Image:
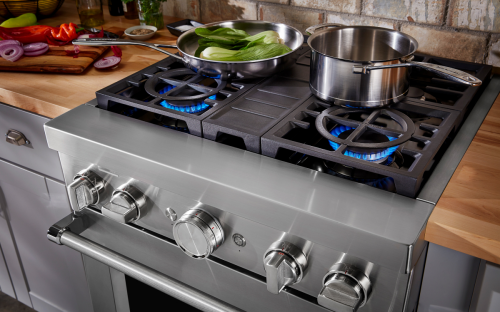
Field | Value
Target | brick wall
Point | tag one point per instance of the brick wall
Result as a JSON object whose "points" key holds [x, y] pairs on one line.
{"points": [[459, 29]]}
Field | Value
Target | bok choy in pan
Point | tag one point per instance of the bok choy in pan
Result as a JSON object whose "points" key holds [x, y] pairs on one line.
{"points": [[233, 45]]}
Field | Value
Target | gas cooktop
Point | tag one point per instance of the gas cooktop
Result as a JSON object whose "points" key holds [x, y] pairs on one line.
{"points": [[393, 148]]}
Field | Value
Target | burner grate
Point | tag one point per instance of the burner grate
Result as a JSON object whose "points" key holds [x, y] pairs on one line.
{"points": [[306, 132], [190, 98]]}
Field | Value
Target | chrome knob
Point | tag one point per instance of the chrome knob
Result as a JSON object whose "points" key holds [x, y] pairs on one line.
{"points": [[85, 190], [198, 233], [125, 204], [284, 264], [345, 289]]}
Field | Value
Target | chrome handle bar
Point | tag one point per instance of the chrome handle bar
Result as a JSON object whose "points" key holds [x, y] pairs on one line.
{"points": [[61, 233]]}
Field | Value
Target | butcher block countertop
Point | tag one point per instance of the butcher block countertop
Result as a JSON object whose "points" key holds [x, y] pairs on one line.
{"points": [[52, 94], [466, 218]]}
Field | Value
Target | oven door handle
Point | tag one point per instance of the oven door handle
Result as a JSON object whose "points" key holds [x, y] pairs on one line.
{"points": [[63, 233]]}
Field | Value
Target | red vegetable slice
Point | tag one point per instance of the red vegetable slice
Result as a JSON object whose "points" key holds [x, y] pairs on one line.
{"points": [[37, 53], [74, 53], [107, 62], [116, 51], [84, 36], [11, 52], [33, 47]]}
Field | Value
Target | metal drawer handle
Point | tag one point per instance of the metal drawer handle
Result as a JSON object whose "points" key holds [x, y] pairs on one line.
{"points": [[16, 138], [61, 233]]}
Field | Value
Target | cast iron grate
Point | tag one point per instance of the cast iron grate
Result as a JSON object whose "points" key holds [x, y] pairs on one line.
{"points": [[419, 129], [169, 89]]}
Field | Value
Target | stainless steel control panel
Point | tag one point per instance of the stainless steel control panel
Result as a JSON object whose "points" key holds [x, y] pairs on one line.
{"points": [[285, 260]]}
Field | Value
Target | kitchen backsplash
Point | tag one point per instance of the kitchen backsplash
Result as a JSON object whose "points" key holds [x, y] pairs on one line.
{"points": [[466, 30]]}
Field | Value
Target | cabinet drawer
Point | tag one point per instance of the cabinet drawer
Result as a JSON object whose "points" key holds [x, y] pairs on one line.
{"points": [[36, 155]]}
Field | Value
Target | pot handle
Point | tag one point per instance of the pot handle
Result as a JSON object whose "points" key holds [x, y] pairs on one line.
{"points": [[114, 42], [442, 71], [312, 29]]}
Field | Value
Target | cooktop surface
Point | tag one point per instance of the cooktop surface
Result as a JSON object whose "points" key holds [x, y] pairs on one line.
{"points": [[393, 148]]}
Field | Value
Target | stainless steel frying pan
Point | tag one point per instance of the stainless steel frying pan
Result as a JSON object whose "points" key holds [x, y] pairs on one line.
{"points": [[187, 44]]}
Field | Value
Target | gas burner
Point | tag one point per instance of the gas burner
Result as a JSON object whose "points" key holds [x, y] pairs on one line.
{"points": [[377, 156], [192, 94], [364, 139], [194, 107]]}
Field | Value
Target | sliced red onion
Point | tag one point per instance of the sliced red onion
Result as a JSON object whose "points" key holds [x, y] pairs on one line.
{"points": [[11, 52], [108, 62], [85, 36], [37, 53], [33, 47], [6, 42]]}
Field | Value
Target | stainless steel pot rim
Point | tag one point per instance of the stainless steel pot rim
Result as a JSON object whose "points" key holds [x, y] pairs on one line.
{"points": [[246, 21], [404, 57], [384, 101]]}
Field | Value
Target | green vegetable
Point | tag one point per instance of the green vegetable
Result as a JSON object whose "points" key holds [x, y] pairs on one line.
{"points": [[28, 19], [149, 12], [258, 52], [227, 44], [223, 35]]}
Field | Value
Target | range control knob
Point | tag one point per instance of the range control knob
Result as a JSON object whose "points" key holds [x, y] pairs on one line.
{"points": [[284, 264], [125, 205], [345, 289], [198, 233], [85, 189]]}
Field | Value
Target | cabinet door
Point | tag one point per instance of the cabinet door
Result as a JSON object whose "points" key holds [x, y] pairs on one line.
{"points": [[54, 273], [487, 290], [12, 280]]}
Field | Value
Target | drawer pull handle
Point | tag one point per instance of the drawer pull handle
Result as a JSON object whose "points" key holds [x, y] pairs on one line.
{"points": [[16, 138]]}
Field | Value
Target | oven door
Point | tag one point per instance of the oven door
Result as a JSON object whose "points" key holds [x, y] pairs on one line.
{"points": [[129, 268]]}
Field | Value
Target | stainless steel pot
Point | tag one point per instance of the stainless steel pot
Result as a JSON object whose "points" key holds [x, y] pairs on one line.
{"points": [[361, 66], [187, 44]]}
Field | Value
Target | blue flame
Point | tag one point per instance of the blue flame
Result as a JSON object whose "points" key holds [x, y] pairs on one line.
{"points": [[365, 156], [192, 109]]}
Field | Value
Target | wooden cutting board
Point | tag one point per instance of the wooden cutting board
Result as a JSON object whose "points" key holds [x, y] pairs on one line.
{"points": [[56, 60]]}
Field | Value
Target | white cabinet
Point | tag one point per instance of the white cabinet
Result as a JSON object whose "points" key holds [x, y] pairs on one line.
{"points": [[35, 271]]}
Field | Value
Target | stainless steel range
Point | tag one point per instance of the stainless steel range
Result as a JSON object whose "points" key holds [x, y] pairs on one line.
{"points": [[220, 195]]}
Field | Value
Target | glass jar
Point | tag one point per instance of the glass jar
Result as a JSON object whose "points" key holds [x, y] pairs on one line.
{"points": [[130, 9], [151, 13], [90, 12]]}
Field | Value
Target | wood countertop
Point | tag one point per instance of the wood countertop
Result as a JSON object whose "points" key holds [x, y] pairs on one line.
{"points": [[52, 94], [466, 218]]}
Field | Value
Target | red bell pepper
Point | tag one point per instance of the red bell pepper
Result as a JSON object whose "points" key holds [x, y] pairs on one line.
{"points": [[39, 33], [29, 34]]}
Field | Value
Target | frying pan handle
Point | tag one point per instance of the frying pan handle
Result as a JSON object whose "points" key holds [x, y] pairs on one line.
{"points": [[115, 42], [442, 71], [312, 29]]}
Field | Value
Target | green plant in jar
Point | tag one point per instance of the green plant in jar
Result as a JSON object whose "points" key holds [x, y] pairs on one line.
{"points": [[150, 12]]}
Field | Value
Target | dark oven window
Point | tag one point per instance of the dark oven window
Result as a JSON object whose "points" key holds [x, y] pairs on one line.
{"points": [[142, 297]]}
